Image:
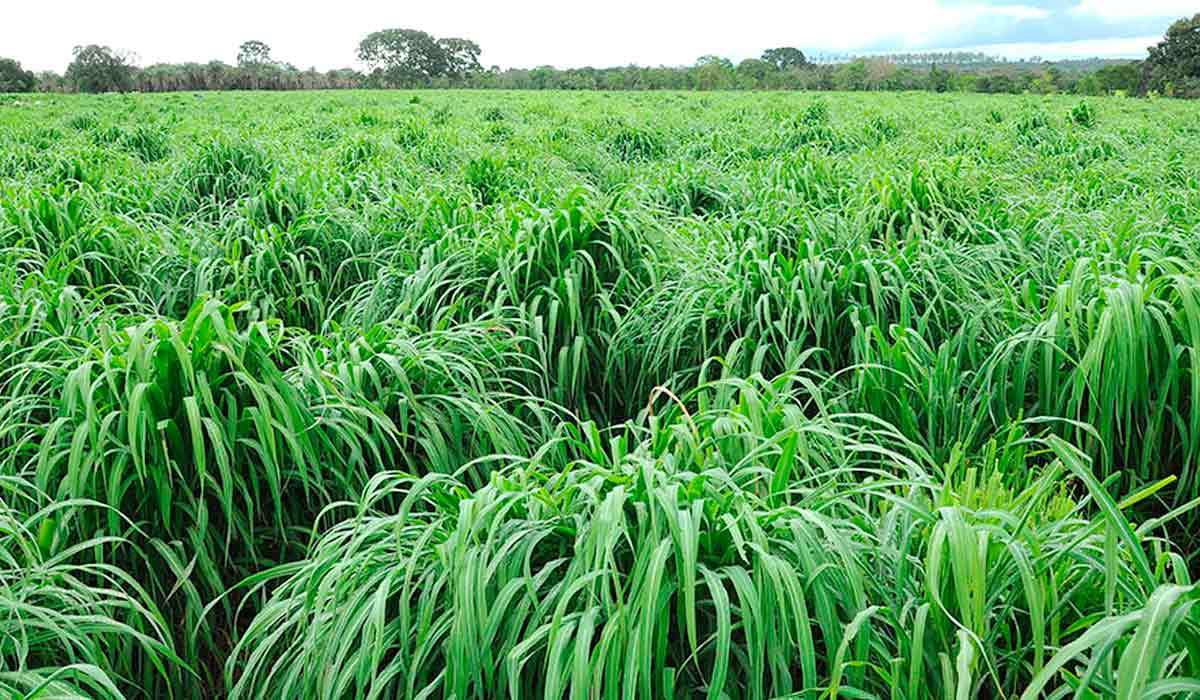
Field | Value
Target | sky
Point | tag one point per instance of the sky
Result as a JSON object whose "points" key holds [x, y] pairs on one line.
{"points": [[527, 33]]}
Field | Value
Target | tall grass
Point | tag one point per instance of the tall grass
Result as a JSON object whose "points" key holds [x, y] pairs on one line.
{"points": [[744, 550], [514, 395]]}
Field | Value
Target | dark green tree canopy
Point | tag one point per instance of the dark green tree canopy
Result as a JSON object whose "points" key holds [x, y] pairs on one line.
{"points": [[1175, 61], [785, 58], [1125, 77], [100, 69], [713, 72], [754, 69], [461, 56], [14, 78], [254, 53], [403, 57]]}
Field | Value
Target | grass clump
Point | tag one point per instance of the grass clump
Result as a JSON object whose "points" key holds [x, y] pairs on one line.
{"points": [[1083, 114], [488, 179], [148, 143], [632, 144], [225, 170], [359, 152], [83, 122]]}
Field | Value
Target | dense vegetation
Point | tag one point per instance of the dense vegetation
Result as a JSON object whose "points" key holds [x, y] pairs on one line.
{"points": [[475, 395], [410, 58]]}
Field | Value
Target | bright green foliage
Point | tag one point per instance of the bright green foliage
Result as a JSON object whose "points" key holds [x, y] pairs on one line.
{"points": [[71, 626], [599, 396]]}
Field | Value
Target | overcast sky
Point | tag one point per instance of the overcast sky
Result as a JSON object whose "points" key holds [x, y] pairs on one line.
{"points": [[525, 33]]}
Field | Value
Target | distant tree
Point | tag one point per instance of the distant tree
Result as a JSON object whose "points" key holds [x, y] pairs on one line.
{"points": [[964, 81], [878, 72], [714, 73], [14, 78], [785, 58], [1059, 79], [754, 72], [342, 78], [996, 83], [256, 68], [1043, 84], [904, 78], [100, 69], [1174, 63], [1125, 78], [851, 76], [939, 79], [542, 77], [403, 57], [254, 53], [460, 57], [49, 81], [714, 60], [1089, 85], [217, 75]]}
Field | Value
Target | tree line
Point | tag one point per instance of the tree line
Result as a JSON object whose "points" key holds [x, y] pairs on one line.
{"points": [[409, 58]]}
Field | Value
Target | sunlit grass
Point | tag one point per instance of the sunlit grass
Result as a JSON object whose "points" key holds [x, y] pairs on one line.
{"points": [[599, 395]]}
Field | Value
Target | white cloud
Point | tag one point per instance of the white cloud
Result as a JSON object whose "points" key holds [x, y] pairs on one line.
{"points": [[1021, 12], [917, 24], [1116, 10], [1134, 47]]}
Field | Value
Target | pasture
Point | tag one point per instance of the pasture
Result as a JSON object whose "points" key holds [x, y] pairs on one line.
{"points": [[590, 395]]}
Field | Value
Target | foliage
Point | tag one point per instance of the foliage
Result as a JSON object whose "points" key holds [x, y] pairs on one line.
{"points": [[1174, 63], [1084, 115], [407, 57], [672, 395], [254, 53], [100, 69], [14, 78], [754, 70], [785, 58], [714, 73], [461, 57]]}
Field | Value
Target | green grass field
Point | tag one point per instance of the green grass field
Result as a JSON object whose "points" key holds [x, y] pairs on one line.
{"points": [[556, 395]]}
